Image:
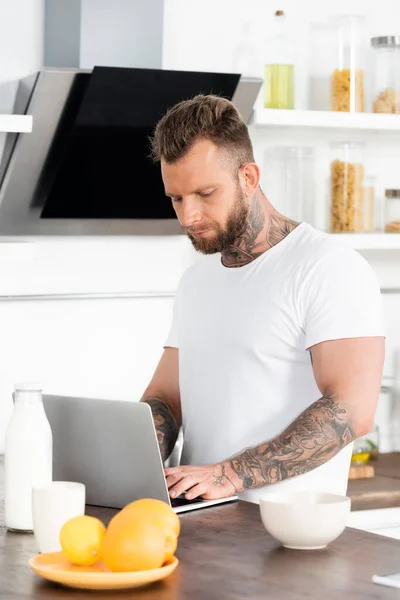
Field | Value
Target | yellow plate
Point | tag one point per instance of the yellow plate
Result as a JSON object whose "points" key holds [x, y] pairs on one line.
{"points": [[55, 567]]}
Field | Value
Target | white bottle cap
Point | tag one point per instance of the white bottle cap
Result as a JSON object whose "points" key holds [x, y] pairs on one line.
{"points": [[29, 386]]}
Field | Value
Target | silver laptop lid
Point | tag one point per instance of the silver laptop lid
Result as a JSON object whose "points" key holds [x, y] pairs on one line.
{"points": [[110, 446]]}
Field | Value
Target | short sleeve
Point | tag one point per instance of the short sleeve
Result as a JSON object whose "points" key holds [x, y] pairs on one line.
{"points": [[172, 340], [342, 299]]}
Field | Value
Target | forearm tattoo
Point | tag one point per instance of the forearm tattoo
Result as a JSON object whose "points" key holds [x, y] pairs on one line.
{"points": [[312, 439], [165, 424]]}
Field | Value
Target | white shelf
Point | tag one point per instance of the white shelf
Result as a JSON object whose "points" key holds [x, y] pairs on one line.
{"points": [[326, 120], [15, 123], [370, 241]]}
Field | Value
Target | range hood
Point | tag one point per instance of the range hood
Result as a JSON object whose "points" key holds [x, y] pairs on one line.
{"points": [[85, 168]]}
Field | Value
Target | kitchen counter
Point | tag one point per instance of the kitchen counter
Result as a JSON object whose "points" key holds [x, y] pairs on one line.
{"points": [[381, 491], [226, 554]]}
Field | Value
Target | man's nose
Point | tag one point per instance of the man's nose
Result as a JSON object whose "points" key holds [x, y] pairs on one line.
{"points": [[188, 213]]}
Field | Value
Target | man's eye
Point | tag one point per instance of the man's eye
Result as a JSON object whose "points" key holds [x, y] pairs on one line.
{"points": [[176, 199], [205, 194]]}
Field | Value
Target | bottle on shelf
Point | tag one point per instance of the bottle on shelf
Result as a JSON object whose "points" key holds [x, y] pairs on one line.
{"points": [[245, 59], [322, 61], [27, 457], [279, 67]]}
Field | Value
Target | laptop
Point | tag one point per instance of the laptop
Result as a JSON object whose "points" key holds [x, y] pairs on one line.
{"points": [[111, 446]]}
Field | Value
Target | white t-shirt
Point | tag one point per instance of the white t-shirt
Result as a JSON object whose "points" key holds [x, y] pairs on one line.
{"points": [[243, 335]]}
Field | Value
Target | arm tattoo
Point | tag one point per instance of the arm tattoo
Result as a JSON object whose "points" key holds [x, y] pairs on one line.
{"points": [[312, 439], [165, 424], [220, 477]]}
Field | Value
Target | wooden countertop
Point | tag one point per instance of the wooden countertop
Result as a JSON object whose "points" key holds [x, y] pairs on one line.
{"points": [[381, 491], [226, 554]]}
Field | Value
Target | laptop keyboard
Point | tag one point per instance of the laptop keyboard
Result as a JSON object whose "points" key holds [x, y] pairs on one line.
{"points": [[182, 501]]}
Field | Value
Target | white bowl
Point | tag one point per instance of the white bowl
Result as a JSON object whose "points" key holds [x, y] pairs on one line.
{"points": [[305, 520]]}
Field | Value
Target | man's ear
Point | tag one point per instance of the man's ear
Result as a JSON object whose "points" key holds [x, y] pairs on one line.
{"points": [[250, 178]]}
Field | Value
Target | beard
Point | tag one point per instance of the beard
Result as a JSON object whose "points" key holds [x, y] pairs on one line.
{"points": [[226, 236]]}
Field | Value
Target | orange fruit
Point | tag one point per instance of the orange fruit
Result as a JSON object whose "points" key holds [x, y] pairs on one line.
{"points": [[157, 512], [158, 508], [171, 544], [81, 539], [133, 544]]}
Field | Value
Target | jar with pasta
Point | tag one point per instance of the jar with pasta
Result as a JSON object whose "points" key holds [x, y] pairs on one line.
{"points": [[347, 78], [347, 192]]}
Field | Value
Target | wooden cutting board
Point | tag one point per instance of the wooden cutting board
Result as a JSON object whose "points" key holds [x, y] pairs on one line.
{"points": [[362, 471]]}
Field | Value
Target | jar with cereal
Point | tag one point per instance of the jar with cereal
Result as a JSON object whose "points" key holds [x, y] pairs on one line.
{"points": [[347, 79], [347, 183]]}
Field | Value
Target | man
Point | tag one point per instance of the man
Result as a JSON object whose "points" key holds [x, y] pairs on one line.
{"points": [[274, 361]]}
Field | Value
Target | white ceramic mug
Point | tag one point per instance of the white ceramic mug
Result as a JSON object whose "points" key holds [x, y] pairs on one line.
{"points": [[52, 506]]}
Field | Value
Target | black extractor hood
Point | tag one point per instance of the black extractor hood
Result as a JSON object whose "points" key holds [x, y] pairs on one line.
{"points": [[85, 168]]}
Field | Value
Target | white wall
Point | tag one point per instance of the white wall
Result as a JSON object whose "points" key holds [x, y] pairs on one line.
{"points": [[21, 47], [21, 37], [106, 345], [100, 348]]}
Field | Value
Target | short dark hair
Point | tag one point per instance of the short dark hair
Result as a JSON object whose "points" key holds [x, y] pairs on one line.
{"points": [[206, 117]]}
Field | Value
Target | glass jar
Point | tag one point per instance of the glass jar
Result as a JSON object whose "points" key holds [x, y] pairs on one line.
{"points": [[245, 59], [373, 440], [347, 79], [322, 62], [386, 74], [279, 67], [368, 209], [367, 447], [289, 181], [347, 179], [392, 211], [361, 453]]}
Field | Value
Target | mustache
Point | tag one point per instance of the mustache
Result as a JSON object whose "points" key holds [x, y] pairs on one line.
{"points": [[194, 230]]}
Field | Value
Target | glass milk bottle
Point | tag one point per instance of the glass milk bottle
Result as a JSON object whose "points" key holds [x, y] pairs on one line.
{"points": [[28, 455]]}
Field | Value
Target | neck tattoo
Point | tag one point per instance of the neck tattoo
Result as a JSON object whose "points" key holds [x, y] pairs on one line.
{"points": [[263, 230]]}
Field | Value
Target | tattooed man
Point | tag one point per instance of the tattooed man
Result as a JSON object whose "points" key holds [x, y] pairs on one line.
{"points": [[274, 360]]}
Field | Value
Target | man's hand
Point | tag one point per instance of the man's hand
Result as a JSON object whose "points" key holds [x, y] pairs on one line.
{"points": [[211, 482]]}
